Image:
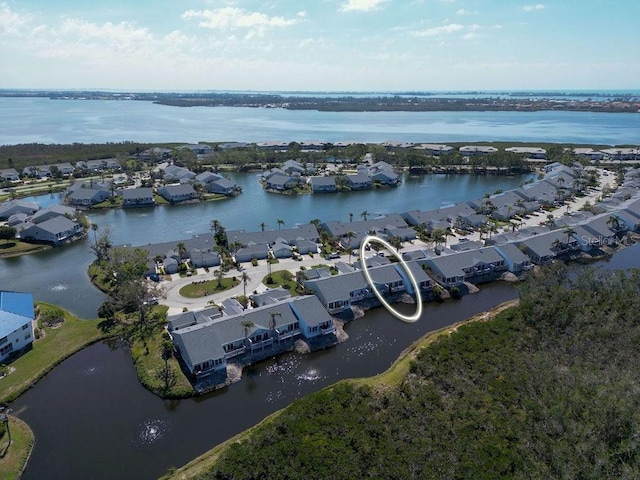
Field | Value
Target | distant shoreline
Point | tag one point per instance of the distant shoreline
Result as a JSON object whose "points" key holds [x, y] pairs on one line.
{"points": [[599, 102]]}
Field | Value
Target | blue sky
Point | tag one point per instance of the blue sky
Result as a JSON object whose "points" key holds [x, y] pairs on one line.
{"points": [[329, 45]]}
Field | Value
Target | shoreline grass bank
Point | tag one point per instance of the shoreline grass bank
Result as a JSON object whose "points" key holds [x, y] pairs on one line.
{"points": [[14, 457], [56, 345], [387, 379]]}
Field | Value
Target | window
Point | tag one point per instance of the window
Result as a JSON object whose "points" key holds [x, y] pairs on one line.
{"points": [[27, 336], [3, 340], [6, 349], [25, 326]]}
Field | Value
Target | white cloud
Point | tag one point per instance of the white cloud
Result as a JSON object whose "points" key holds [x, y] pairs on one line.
{"points": [[436, 31], [122, 33], [530, 8], [462, 11], [301, 14], [231, 18], [12, 23], [361, 5], [471, 36]]}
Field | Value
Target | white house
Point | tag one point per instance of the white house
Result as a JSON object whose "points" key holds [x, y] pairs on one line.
{"points": [[16, 327]]}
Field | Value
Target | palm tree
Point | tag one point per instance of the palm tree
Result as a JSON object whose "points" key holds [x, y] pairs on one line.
{"points": [[280, 222], [94, 227], [614, 223], [569, 231], [396, 242], [246, 325], [364, 215], [235, 246], [551, 220], [182, 249], [272, 323], [215, 226], [350, 217], [245, 278], [438, 236], [262, 226], [349, 236]]}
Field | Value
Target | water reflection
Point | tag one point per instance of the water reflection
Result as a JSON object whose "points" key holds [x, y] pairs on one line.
{"points": [[98, 395]]}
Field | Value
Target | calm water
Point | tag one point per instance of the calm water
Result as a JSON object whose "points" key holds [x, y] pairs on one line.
{"points": [[59, 276], [113, 428], [91, 417], [27, 120]]}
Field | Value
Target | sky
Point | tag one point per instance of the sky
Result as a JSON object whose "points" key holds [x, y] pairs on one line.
{"points": [[320, 45]]}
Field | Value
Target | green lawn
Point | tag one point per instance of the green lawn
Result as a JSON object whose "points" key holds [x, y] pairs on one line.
{"points": [[147, 358], [207, 287], [18, 247], [284, 279], [160, 200], [115, 202], [12, 460], [56, 345]]}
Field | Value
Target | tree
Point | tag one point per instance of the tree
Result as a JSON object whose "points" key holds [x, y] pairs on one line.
{"points": [[245, 278], [94, 228], [167, 376], [551, 222], [349, 236], [167, 349], [126, 264], [272, 323], [396, 242], [262, 226], [246, 325], [101, 246], [569, 232], [280, 222], [350, 217], [182, 249], [438, 236], [137, 296], [4, 418], [364, 215], [614, 223], [7, 233], [221, 237], [215, 226], [219, 274]]}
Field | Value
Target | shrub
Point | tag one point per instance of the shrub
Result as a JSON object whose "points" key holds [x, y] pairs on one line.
{"points": [[254, 262], [51, 315]]}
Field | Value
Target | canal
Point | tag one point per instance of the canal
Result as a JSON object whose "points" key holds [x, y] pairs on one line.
{"points": [[59, 276], [92, 419]]}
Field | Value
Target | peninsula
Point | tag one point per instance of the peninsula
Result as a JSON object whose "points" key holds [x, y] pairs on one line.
{"points": [[364, 102]]}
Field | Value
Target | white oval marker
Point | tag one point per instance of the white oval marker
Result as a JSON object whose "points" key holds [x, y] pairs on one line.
{"points": [[405, 318]]}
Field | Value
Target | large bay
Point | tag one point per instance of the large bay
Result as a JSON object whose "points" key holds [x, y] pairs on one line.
{"points": [[28, 120]]}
